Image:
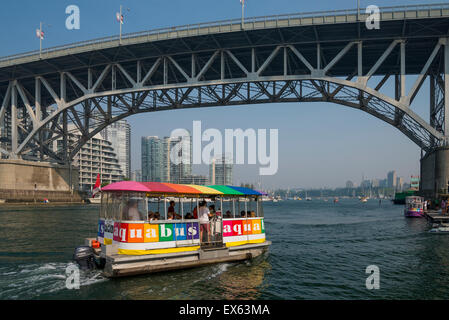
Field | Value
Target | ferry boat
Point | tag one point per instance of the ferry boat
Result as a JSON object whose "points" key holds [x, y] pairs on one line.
{"points": [[414, 207], [138, 234]]}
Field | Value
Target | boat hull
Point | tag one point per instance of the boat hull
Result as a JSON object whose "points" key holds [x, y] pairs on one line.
{"points": [[128, 265], [413, 214]]}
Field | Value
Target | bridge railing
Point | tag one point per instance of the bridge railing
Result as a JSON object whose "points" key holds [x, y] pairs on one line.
{"points": [[261, 22]]}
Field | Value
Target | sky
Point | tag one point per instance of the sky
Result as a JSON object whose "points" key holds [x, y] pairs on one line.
{"points": [[320, 144]]}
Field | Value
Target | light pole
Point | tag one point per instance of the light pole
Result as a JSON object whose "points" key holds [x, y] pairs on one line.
{"points": [[121, 22], [358, 10], [242, 2]]}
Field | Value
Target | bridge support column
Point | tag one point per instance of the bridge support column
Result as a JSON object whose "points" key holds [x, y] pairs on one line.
{"points": [[435, 172]]}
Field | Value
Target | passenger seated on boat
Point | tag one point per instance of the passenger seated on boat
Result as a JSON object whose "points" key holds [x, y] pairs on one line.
{"points": [[253, 214], [228, 214], [243, 213], [150, 215], [130, 211], [170, 216], [212, 209], [188, 216], [156, 216]]}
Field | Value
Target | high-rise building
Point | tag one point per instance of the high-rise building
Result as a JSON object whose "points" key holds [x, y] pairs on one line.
{"points": [[96, 156], [220, 170], [119, 134], [195, 179], [157, 164], [136, 175], [391, 178], [182, 149], [166, 159], [152, 160], [399, 183]]}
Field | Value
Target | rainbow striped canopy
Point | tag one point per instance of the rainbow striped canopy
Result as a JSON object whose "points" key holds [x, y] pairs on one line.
{"points": [[179, 189]]}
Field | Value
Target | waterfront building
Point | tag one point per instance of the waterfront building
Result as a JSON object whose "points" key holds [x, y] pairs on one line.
{"points": [[119, 134], [96, 156], [349, 184], [220, 170]]}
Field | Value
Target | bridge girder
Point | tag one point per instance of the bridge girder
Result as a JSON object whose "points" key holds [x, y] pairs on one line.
{"points": [[73, 106]]}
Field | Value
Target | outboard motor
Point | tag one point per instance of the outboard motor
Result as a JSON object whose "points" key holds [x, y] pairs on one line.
{"points": [[84, 256]]}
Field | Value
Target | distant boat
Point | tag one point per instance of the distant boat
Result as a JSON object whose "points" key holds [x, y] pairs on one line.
{"points": [[364, 199], [336, 200], [414, 207], [96, 200]]}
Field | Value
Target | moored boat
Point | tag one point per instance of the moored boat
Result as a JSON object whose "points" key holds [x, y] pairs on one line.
{"points": [[138, 233], [414, 207]]}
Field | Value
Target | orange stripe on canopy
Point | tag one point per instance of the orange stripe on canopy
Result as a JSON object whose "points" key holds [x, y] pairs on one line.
{"points": [[182, 188]]}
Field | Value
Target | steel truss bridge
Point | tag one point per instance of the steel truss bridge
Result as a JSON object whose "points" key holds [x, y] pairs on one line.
{"points": [[72, 92]]}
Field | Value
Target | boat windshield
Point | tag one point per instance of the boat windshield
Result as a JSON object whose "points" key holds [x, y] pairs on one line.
{"points": [[128, 206]]}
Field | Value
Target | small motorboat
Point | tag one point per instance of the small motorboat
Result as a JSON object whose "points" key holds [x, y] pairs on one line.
{"points": [[414, 207], [440, 229]]}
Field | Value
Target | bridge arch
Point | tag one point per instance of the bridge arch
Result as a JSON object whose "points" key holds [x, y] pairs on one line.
{"points": [[256, 65]]}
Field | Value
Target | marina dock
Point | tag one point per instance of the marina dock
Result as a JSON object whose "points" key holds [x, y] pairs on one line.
{"points": [[434, 216]]}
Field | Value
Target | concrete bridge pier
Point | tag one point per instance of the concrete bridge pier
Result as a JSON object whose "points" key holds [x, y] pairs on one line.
{"points": [[435, 172]]}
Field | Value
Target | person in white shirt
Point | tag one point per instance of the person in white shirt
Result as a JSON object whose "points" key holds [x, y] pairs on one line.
{"points": [[203, 216], [133, 212]]}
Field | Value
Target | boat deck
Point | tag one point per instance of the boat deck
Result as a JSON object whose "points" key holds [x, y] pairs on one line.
{"points": [[118, 265], [434, 216]]}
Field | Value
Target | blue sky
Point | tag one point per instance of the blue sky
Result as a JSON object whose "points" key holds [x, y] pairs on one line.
{"points": [[319, 144]]}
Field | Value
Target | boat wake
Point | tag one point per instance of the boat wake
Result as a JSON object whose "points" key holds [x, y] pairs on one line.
{"points": [[32, 281]]}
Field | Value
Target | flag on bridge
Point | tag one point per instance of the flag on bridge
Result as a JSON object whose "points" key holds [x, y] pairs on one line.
{"points": [[119, 17], [97, 187], [242, 2], [40, 34]]}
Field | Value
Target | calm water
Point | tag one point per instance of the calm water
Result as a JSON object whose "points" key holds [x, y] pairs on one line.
{"points": [[320, 251]]}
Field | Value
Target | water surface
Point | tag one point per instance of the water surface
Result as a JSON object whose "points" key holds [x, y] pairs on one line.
{"points": [[320, 250]]}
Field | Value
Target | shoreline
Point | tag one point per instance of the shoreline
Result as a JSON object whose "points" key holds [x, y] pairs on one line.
{"points": [[53, 204]]}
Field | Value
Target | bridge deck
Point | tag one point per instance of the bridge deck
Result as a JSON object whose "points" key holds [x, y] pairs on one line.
{"points": [[323, 24]]}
